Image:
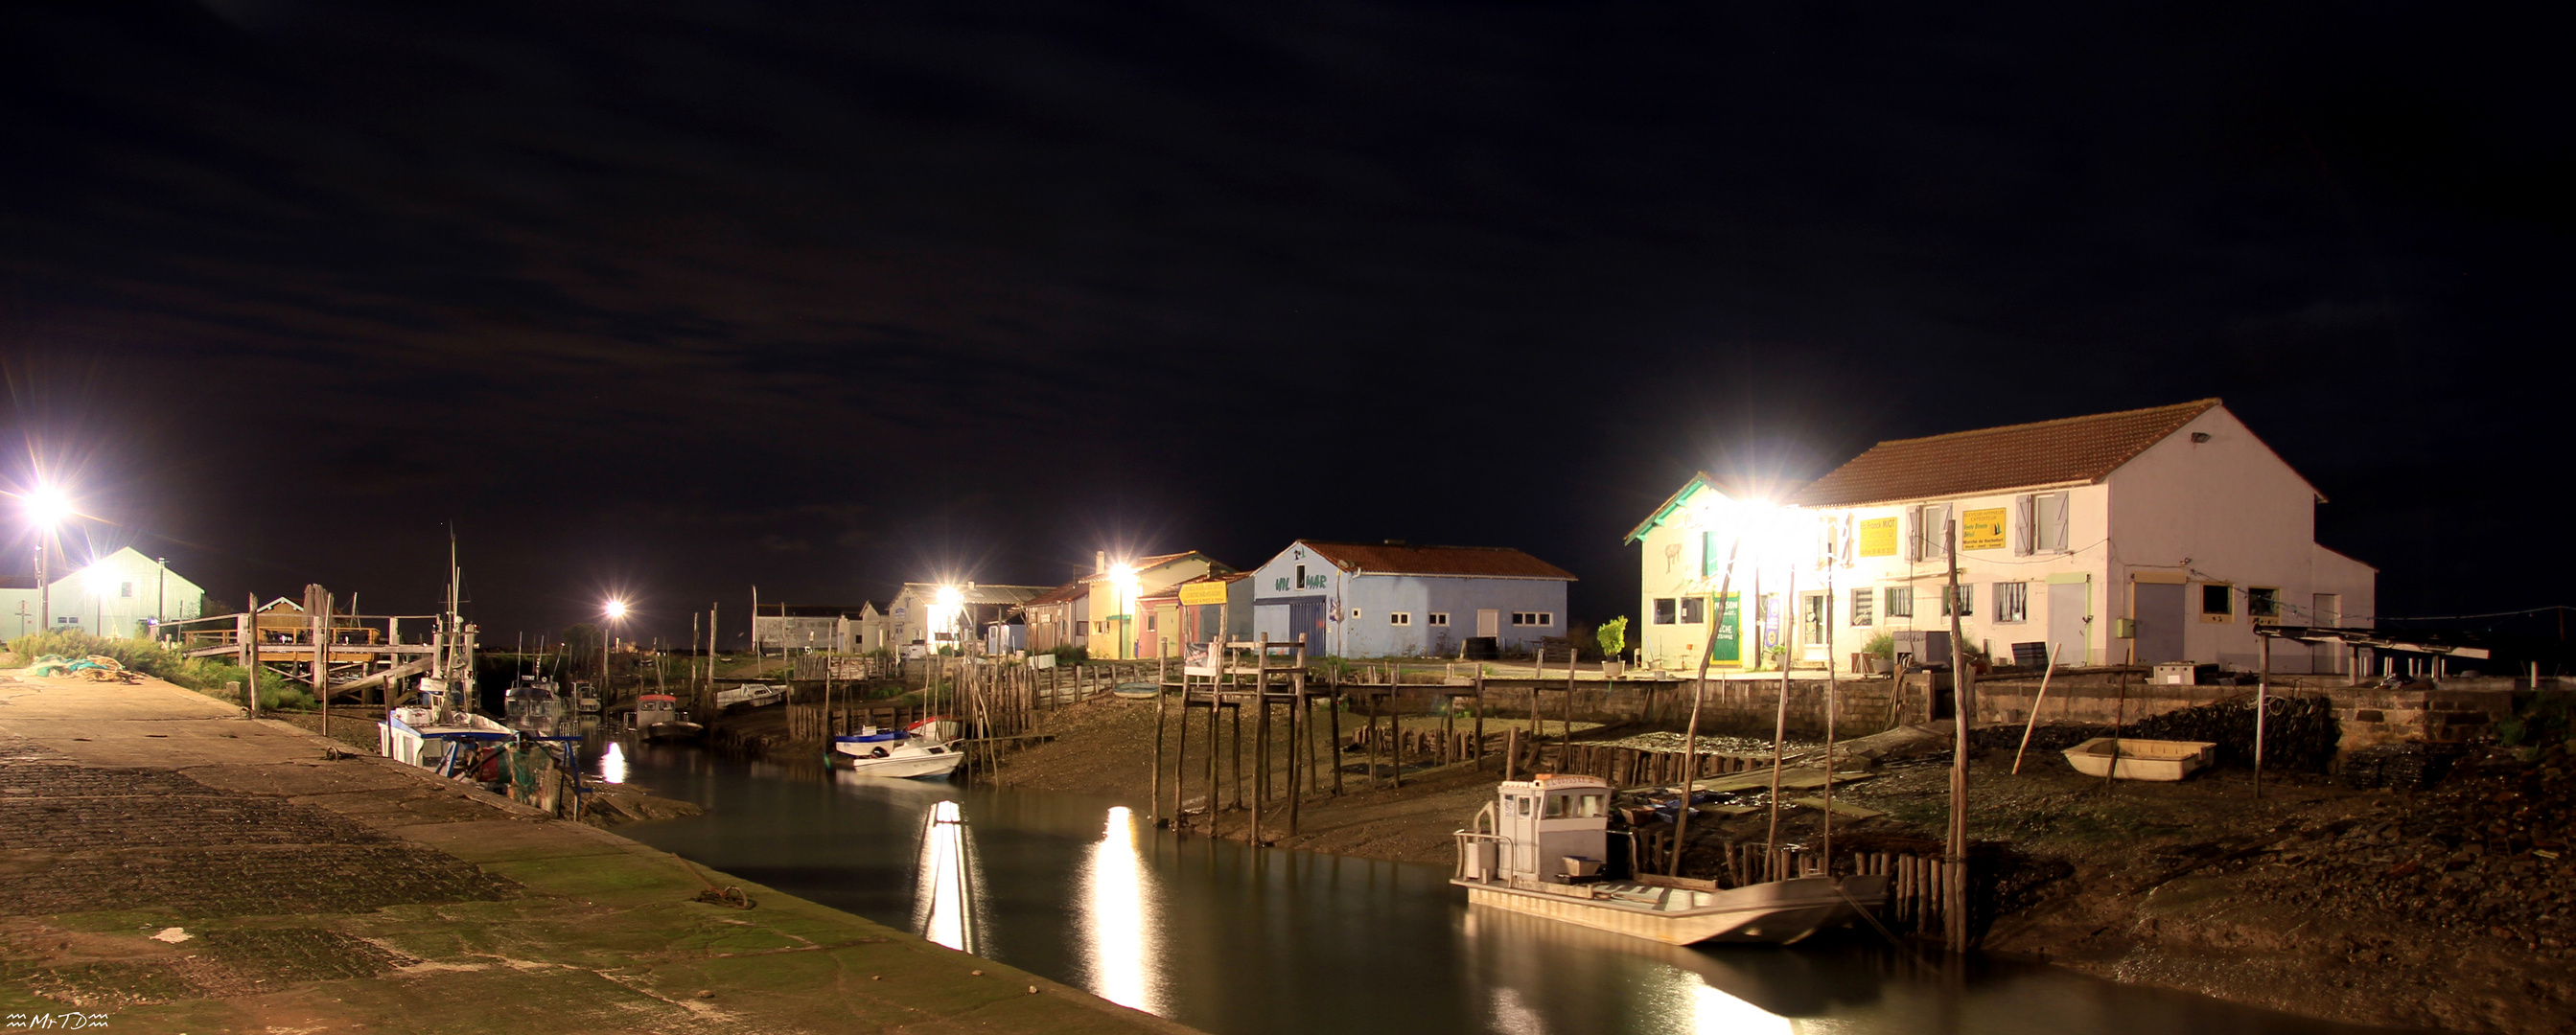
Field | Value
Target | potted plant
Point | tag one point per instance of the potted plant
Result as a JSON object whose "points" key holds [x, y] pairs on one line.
{"points": [[1877, 657], [1613, 635]]}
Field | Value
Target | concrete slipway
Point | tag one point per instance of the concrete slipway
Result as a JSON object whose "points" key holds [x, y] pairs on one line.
{"points": [[320, 892]]}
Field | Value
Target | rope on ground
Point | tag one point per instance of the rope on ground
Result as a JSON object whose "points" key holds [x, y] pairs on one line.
{"points": [[710, 894]]}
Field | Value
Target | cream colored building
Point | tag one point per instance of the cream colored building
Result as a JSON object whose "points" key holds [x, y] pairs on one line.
{"points": [[1117, 619], [121, 594], [2163, 534]]}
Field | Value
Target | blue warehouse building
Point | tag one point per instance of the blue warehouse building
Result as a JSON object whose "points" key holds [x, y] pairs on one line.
{"points": [[1392, 599]]}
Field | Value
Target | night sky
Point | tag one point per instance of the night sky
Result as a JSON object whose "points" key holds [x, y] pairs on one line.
{"points": [[676, 299]]}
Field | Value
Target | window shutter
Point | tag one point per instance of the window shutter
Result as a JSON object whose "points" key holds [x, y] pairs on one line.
{"points": [[1913, 533], [2057, 524], [2025, 524]]}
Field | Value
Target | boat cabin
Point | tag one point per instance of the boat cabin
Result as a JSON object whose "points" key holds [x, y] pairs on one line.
{"points": [[653, 708], [1548, 829]]}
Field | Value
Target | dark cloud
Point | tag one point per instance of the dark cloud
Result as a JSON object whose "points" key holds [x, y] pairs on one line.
{"points": [[633, 294]]}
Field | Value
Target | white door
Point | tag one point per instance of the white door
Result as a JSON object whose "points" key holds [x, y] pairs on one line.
{"points": [[2070, 610], [1489, 622]]}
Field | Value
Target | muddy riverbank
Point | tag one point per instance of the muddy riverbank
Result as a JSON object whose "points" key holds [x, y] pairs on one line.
{"points": [[2384, 907]]}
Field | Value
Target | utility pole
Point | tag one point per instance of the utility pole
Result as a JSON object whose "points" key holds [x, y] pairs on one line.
{"points": [[44, 585], [1954, 893], [1699, 694], [161, 596]]}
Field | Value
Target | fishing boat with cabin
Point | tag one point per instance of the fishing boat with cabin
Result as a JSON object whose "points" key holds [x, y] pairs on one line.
{"points": [[1541, 848]]}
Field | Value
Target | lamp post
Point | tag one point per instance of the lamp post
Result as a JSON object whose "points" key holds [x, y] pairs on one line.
{"points": [[615, 609], [1124, 578], [46, 509]]}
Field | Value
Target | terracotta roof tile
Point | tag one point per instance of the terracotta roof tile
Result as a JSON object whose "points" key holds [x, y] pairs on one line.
{"points": [[1401, 559], [2071, 449], [1071, 591]]}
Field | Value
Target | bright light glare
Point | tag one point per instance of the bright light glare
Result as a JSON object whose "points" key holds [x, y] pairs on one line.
{"points": [[616, 610], [950, 596], [100, 578], [1118, 918], [47, 506], [1123, 576]]}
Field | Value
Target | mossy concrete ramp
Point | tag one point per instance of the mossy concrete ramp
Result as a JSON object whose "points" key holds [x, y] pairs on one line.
{"points": [[172, 866]]}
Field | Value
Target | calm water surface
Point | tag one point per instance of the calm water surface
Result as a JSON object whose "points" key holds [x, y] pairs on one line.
{"points": [[1235, 941]]}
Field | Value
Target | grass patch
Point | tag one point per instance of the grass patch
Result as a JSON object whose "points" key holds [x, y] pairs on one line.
{"points": [[207, 676]]}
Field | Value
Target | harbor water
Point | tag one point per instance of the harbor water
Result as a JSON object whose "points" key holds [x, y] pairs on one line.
{"points": [[1236, 941]]}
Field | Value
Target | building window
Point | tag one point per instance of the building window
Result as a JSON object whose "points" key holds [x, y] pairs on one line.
{"points": [[2263, 604], [1399, 618], [1929, 538], [2012, 601], [1533, 618], [2043, 523], [1811, 619], [1861, 611], [1900, 601], [1440, 618], [2217, 602], [1663, 610], [1960, 600], [1694, 610], [125, 589], [1149, 621]]}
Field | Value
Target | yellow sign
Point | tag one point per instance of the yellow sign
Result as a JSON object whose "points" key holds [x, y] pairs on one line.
{"points": [[1878, 537], [1197, 593], [1982, 529]]}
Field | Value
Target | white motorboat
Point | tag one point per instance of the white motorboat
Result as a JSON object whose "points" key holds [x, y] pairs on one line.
{"points": [[585, 699], [923, 751], [1540, 847]]}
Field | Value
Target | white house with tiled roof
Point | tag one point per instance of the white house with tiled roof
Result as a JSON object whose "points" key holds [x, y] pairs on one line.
{"points": [[1395, 599], [2162, 534]]}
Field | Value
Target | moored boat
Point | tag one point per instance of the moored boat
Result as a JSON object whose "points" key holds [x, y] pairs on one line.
{"points": [[922, 751], [658, 718], [1541, 847]]}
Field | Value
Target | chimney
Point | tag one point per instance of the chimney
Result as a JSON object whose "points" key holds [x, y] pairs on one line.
{"points": [[1099, 562]]}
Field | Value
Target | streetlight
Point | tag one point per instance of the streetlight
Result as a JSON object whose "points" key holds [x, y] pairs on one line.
{"points": [[615, 609], [46, 507], [1124, 578]]}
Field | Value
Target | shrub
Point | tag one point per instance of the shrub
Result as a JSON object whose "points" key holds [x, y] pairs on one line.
{"points": [[204, 675], [1614, 636], [1070, 654], [1882, 645]]}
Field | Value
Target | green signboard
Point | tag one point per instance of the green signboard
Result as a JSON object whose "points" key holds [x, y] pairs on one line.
{"points": [[1730, 625]]}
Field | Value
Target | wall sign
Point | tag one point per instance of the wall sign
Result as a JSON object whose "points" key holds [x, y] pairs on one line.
{"points": [[1982, 529], [1878, 537]]}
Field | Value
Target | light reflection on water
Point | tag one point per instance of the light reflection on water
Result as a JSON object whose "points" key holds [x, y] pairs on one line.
{"points": [[944, 904], [1118, 918], [612, 763], [1240, 942]]}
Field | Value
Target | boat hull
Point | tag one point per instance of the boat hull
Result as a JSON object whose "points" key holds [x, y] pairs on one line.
{"points": [[1776, 913], [664, 732], [917, 767]]}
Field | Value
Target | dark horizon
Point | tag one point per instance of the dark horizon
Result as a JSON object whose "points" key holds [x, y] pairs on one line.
{"points": [[673, 300]]}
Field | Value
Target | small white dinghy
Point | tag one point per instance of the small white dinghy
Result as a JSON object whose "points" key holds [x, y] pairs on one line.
{"points": [[923, 751], [1541, 848]]}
